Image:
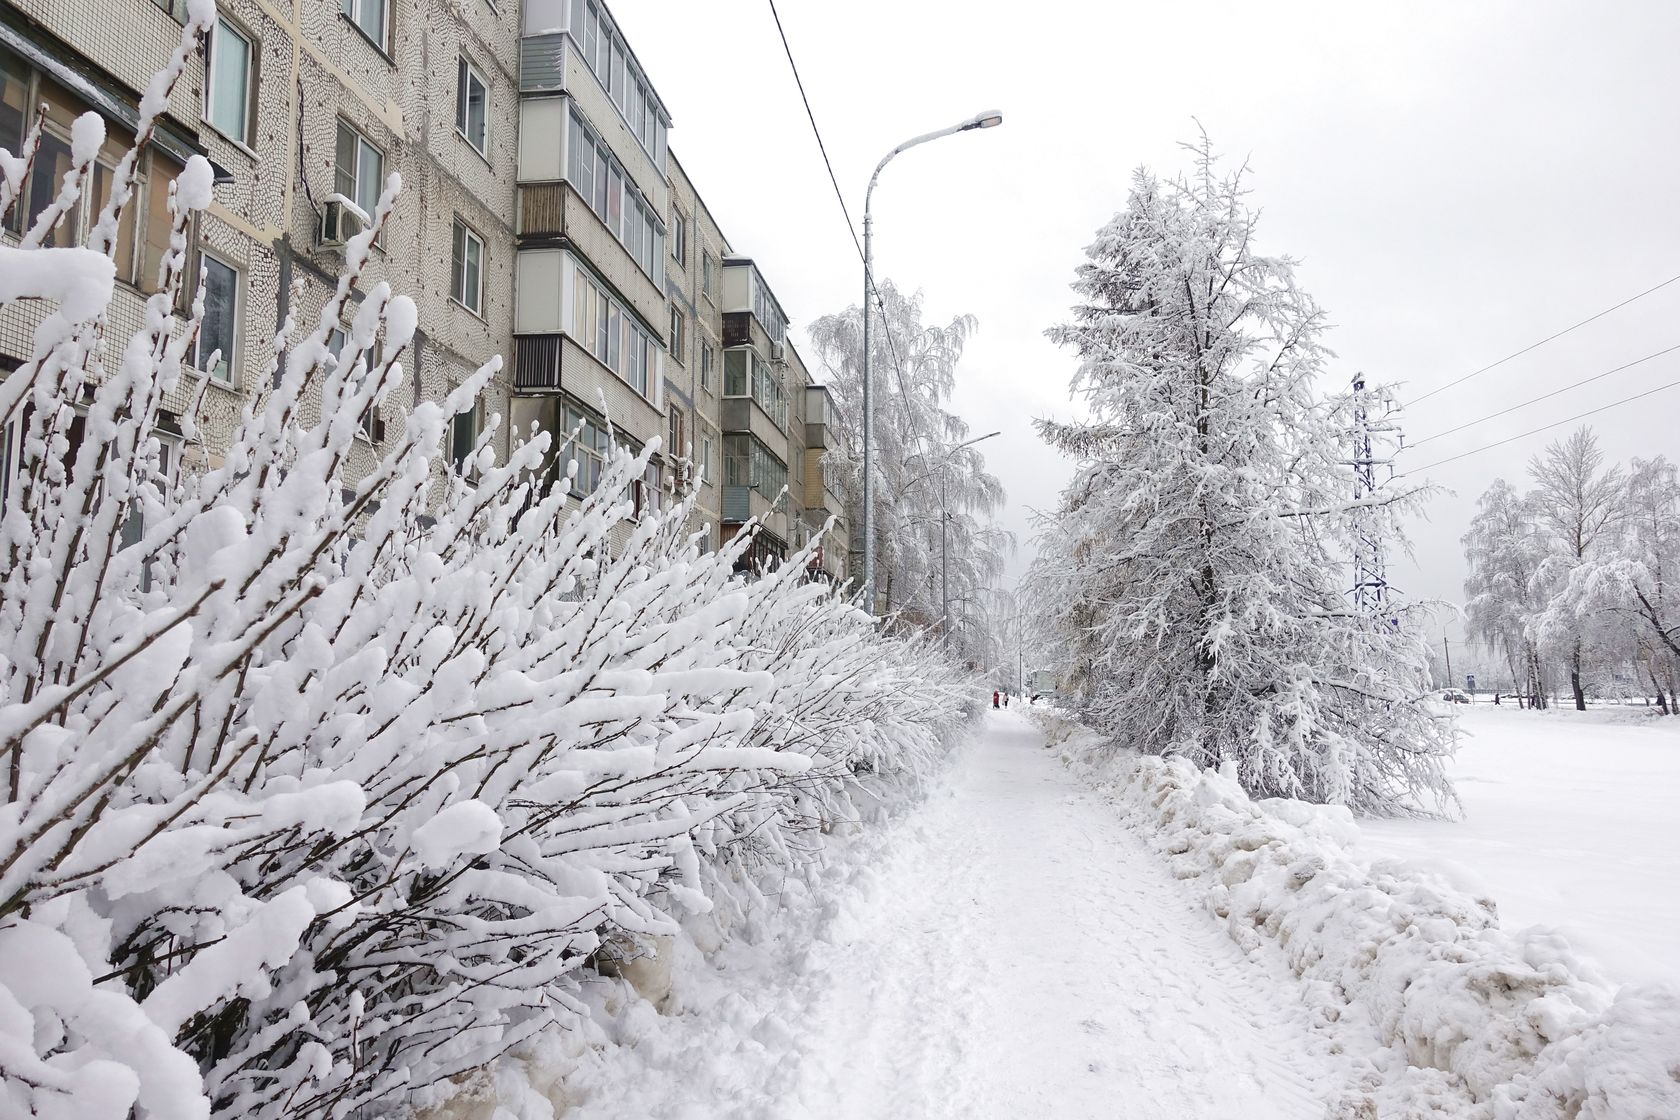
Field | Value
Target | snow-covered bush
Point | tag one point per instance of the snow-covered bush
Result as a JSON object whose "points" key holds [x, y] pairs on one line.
{"points": [[319, 787], [1525, 1028]]}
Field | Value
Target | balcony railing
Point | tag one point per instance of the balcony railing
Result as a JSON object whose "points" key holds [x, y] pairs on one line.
{"points": [[536, 361], [542, 209]]}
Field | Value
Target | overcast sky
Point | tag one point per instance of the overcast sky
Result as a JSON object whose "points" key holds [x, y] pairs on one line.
{"points": [[1458, 180]]}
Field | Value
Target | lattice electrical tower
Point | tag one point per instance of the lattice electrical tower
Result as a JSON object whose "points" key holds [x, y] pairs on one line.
{"points": [[1376, 438]]}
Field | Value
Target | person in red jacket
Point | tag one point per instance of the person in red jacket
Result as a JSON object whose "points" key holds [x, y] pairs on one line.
{"points": [[994, 697]]}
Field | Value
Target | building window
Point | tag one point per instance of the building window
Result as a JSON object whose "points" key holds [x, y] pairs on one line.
{"points": [[734, 373], [176, 8], [708, 275], [747, 462], [607, 56], [590, 444], [676, 447], [677, 347], [143, 231], [767, 310], [604, 328], [220, 329], [360, 174], [466, 276], [646, 491], [369, 422], [745, 374], [472, 106], [463, 439], [679, 238], [611, 193], [707, 357], [707, 474], [372, 18], [227, 94]]}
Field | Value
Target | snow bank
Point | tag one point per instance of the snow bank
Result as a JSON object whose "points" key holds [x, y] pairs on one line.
{"points": [[1527, 1027]]}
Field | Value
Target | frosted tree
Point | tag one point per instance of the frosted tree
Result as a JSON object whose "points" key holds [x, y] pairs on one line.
{"points": [[1199, 557], [935, 540], [1504, 549], [1625, 588], [1578, 502]]}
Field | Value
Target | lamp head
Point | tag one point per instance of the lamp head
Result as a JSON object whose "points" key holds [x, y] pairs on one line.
{"points": [[991, 118]]}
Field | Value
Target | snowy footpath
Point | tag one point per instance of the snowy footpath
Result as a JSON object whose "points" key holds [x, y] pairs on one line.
{"points": [[1007, 949], [1023, 954]]}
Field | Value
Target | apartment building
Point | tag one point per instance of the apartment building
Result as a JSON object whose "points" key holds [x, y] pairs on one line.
{"points": [[297, 106], [693, 277], [591, 322], [769, 426], [542, 218]]}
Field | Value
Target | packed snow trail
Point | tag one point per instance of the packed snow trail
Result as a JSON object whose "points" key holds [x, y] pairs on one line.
{"points": [[1022, 954]]}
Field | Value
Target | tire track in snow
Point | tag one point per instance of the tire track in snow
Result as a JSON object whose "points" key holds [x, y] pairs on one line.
{"points": [[1021, 953]]}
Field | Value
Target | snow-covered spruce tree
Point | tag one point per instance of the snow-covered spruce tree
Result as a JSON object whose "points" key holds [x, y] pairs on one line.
{"points": [[1198, 561], [321, 788], [1503, 551], [922, 471]]}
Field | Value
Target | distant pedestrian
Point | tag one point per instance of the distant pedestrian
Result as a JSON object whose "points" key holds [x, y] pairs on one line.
{"points": [[1496, 699], [994, 697], [1006, 699]]}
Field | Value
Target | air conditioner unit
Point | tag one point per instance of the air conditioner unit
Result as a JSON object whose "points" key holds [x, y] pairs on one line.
{"points": [[778, 351], [339, 223]]}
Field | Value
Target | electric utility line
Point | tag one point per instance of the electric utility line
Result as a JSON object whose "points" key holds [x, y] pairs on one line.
{"points": [[1543, 427], [1543, 341], [1545, 396], [886, 328], [812, 117]]}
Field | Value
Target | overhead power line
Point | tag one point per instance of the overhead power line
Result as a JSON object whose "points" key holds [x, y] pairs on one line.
{"points": [[1543, 341], [817, 132], [1543, 428], [886, 328], [1546, 396]]}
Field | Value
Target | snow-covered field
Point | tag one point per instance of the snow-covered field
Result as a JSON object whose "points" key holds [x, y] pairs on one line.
{"points": [[1571, 820]]}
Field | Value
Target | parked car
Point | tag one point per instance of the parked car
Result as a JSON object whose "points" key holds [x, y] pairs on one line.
{"points": [[1455, 696]]}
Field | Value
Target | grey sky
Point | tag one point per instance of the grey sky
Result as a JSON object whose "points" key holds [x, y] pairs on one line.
{"points": [[1458, 180]]}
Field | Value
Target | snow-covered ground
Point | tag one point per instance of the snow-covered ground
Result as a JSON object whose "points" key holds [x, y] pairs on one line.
{"points": [[1571, 820], [1024, 954], [1010, 948]]}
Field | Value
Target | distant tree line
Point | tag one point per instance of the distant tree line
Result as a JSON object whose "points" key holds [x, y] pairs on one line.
{"points": [[1575, 578]]}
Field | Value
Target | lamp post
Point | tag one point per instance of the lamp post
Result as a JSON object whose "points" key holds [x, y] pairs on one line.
{"points": [[988, 119]]}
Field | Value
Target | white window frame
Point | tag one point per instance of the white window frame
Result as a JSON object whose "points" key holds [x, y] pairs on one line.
{"points": [[708, 359], [463, 235], [679, 238], [678, 348], [353, 11], [363, 145], [214, 73], [472, 417], [466, 73], [230, 360]]}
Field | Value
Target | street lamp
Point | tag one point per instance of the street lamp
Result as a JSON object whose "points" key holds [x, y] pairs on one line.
{"points": [[989, 119]]}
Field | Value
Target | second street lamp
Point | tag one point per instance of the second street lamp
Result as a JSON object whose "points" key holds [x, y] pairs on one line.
{"points": [[988, 119]]}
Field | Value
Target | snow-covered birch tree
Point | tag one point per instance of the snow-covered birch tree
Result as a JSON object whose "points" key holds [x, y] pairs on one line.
{"points": [[935, 539], [1578, 502], [1198, 561], [1503, 550]]}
